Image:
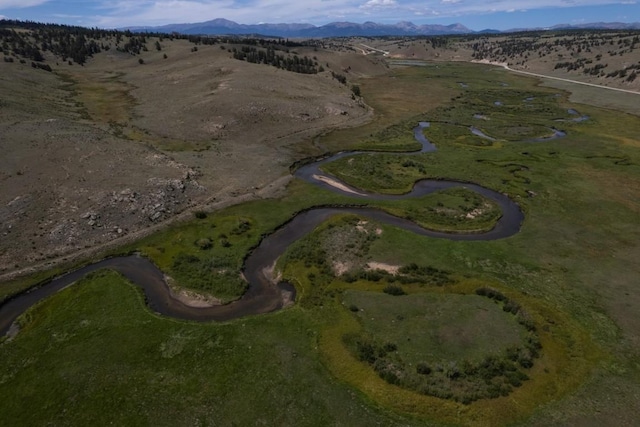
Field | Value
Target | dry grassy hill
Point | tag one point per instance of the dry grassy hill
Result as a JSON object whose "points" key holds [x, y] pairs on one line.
{"points": [[96, 152], [106, 135], [608, 58]]}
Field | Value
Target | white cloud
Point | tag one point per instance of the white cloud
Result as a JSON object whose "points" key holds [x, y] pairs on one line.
{"points": [[20, 4], [456, 8], [67, 16], [121, 13], [379, 3], [124, 13]]}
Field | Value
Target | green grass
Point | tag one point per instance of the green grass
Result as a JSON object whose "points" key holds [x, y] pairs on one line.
{"points": [[205, 255], [436, 328], [514, 121], [385, 173], [398, 137], [455, 210], [228, 246], [235, 231], [94, 352], [461, 347], [626, 102], [558, 371]]}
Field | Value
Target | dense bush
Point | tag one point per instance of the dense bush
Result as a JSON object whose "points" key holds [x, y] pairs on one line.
{"points": [[408, 274], [339, 77], [214, 275], [423, 369], [268, 56], [465, 380], [204, 243], [509, 306], [492, 376], [414, 273], [394, 290]]}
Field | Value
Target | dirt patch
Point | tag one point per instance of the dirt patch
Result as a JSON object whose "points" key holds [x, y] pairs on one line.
{"points": [[389, 268], [477, 212], [193, 299], [271, 274], [339, 268], [361, 227], [287, 298], [336, 184]]}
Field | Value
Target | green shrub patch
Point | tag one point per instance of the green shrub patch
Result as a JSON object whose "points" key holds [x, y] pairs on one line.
{"points": [[214, 275], [450, 353]]}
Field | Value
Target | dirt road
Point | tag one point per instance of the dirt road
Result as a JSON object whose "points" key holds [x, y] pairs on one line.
{"points": [[506, 67]]}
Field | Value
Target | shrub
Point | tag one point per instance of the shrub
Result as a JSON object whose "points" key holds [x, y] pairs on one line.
{"points": [[366, 351], [200, 214], [491, 293], [413, 273], [242, 226], [394, 290], [218, 276], [423, 369], [204, 243], [389, 347], [511, 306]]}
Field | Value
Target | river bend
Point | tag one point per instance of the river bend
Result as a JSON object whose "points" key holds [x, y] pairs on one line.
{"points": [[263, 295]]}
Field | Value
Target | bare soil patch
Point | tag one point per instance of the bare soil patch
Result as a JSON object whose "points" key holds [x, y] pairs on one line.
{"points": [[392, 269], [334, 183]]}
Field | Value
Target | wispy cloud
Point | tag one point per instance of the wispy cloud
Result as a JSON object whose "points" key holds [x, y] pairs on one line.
{"points": [[377, 4], [120, 13], [20, 4], [250, 11], [67, 16]]}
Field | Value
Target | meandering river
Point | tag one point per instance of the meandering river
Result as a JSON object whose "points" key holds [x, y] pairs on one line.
{"points": [[263, 295]]}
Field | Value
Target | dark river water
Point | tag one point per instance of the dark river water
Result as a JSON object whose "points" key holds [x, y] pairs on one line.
{"points": [[262, 295]]}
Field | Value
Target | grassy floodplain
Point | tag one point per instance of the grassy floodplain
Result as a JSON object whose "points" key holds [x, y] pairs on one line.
{"points": [[95, 352]]}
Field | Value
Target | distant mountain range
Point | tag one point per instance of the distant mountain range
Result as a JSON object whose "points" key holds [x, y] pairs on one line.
{"points": [[589, 26], [334, 29], [347, 29]]}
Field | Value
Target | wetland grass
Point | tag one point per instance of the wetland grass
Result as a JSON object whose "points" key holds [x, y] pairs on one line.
{"points": [[98, 352]]}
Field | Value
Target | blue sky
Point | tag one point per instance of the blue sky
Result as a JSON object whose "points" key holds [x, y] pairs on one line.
{"points": [[475, 14]]}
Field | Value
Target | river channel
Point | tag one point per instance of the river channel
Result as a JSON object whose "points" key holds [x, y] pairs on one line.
{"points": [[263, 295]]}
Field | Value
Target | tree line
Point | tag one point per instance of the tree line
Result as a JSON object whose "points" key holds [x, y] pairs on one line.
{"points": [[295, 63], [68, 43], [27, 40]]}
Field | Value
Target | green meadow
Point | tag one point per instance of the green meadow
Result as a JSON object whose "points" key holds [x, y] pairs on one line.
{"points": [[388, 328]]}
